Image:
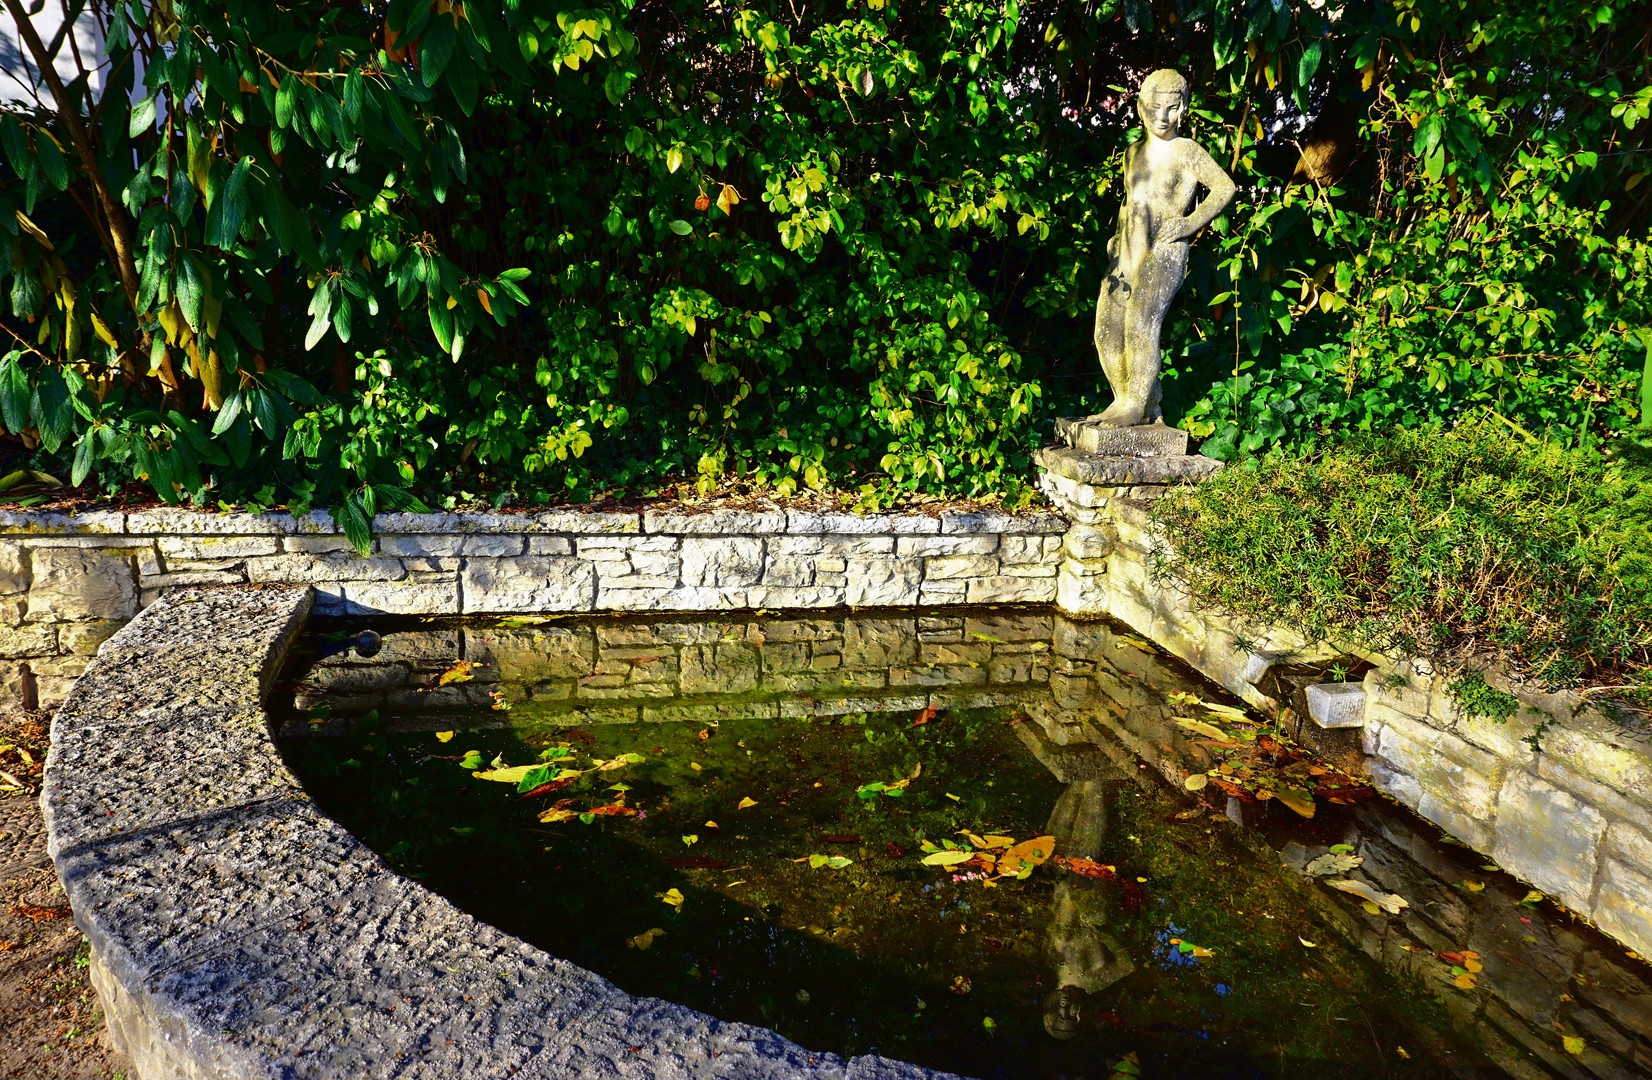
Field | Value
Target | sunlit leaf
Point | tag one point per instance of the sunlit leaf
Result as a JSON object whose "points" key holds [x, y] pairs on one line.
{"points": [[1199, 727], [644, 939], [746, 803], [444, 736], [1389, 902], [948, 858], [1573, 1044], [1333, 864], [459, 672], [512, 775], [1196, 781], [674, 897]]}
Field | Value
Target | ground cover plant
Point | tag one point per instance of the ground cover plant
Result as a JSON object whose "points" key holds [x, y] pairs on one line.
{"points": [[1445, 543], [337, 253]]}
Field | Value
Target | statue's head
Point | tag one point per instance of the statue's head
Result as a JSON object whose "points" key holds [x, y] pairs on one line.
{"points": [[1062, 1012], [1163, 102]]}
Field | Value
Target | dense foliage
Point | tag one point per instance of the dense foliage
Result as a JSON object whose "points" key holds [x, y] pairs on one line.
{"points": [[1442, 543], [340, 251]]}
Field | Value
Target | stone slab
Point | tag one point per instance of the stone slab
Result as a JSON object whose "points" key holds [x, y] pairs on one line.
{"points": [[1334, 705], [1145, 440], [1113, 471]]}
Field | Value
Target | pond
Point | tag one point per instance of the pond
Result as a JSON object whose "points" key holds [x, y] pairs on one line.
{"points": [[963, 838]]}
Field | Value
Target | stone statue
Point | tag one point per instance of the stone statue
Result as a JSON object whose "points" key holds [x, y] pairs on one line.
{"points": [[1162, 175]]}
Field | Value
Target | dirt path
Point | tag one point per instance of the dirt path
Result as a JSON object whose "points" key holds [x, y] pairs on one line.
{"points": [[51, 1024]]}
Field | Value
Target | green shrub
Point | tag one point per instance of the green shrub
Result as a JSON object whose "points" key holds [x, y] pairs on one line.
{"points": [[1433, 542]]}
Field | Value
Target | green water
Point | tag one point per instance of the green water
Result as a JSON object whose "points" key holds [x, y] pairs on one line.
{"points": [[1194, 956]]}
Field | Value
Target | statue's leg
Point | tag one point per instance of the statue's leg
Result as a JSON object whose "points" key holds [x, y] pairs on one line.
{"points": [[1109, 334], [1112, 313], [1150, 302]]}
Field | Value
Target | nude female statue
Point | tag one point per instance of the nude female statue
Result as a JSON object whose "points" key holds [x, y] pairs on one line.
{"points": [[1162, 175]]}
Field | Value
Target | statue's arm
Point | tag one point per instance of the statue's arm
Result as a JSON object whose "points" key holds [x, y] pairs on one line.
{"points": [[1221, 187]]}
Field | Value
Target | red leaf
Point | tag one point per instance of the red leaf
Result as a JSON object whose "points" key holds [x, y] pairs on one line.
{"points": [[1086, 868], [926, 716], [546, 789]]}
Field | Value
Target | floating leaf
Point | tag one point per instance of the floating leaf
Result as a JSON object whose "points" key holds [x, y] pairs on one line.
{"points": [[459, 672], [690, 839], [1087, 868], [1465, 981], [644, 939], [1389, 902], [1573, 1044], [745, 804], [619, 762], [1475, 886], [1026, 854], [471, 760], [1199, 727], [1335, 863], [512, 775], [1301, 802], [1342, 849], [444, 736], [673, 896], [1226, 712], [948, 858], [1196, 781], [712, 825], [1309, 944], [816, 861], [1532, 897], [990, 1024], [929, 713], [557, 813], [1181, 697], [993, 841]]}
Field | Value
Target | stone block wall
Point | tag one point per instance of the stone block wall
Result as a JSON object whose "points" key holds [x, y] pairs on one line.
{"points": [[68, 582], [1575, 820]]}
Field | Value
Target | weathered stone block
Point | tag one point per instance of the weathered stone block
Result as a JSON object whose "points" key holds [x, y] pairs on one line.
{"points": [[994, 521], [1090, 541], [191, 578], [942, 567], [878, 581], [722, 562], [1624, 906], [528, 583], [908, 546], [550, 545], [199, 548], [439, 544], [14, 568], [723, 668], [848, 547], [723, 523], [439, 596], [590, 545], [812, 596], [38, 522], [319, 545], [1336, 705], [1008, 589], [1029, 549], [80, 584], [83, 639], [789, 571], [24, 641], [494, 545], [583, 524], [1548, 837], [802, 522], [1620, 765]]}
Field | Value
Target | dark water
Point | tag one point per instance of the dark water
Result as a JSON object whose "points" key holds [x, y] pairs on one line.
{"points": [[1162, 936]]}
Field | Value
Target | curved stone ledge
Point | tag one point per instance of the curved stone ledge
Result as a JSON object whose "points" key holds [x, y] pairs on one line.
{"points": [[237, 932]]}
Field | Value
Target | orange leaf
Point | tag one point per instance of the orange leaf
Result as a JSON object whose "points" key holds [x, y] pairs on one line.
{"points": [[926, 716]]}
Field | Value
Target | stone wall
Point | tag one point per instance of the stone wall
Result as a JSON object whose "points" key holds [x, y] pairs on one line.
{"points": [[68, 582], [1575, 820]]}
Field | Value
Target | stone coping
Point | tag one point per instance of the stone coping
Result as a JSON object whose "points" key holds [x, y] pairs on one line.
{"points": [[238, 932], [21, 524]]}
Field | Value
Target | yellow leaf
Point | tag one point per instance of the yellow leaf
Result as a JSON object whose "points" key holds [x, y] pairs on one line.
{"points": [[459, 672], [711, 825], [551, 816], [1463, 982], [644, 939], [444, 736], [486, 301], [1532, 897], [512, 775], [1574, 1045], [1300, 801], [995, 841], [1201, 951], [978, 841], [101, 329], [1389, 902], [34, 230], [1199, 727], [948, 858], [1196, 781], [1475, 886], [1031, 852], [1226, 712], [1309, 944], [1474, 966], [746, 803], [727, 199], [674, 897]]}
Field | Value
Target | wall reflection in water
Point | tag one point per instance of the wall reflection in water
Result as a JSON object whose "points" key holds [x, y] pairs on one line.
{"points": [[1097, 700]]}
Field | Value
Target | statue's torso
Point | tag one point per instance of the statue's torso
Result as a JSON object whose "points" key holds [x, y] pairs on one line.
{"points": [[1157, 188]]}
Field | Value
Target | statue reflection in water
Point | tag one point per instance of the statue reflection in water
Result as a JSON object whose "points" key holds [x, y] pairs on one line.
{"points": [[1083, 950]]}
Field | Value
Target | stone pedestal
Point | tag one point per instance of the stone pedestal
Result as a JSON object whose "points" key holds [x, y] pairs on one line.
{"points": [[1091, 465]]}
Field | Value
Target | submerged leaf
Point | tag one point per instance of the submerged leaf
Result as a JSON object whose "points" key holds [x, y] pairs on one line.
{"points": [[644, 939], [459, 672], [1196, 781], [1199, 727], [1333, 864], [1389, 902], [444, 736], [948, 858], [746, 803], [1573, 1044]]}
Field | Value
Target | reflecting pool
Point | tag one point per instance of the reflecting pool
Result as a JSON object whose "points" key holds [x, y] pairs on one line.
{"points": [[964, 838]]}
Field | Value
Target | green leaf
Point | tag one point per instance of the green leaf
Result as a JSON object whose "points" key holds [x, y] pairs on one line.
{"points": [[53, 411], [286, 98], [229, 413], [190, 283], [358, 526], [52, 165], [229, 207], [142, 118], [441, 322], [85, 457], [681, 227], [15, 396]]}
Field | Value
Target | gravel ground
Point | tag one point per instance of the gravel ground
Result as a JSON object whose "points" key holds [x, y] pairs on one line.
{"points": [[51, 1024]]}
